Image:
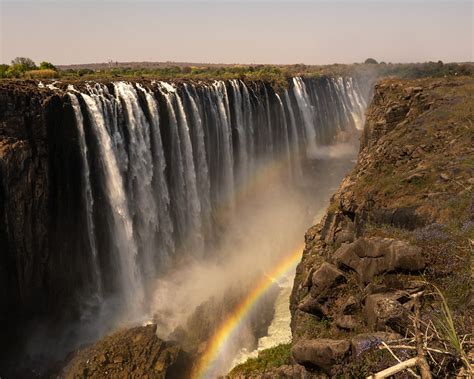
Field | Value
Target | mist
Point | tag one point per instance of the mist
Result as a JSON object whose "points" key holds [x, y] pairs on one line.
{"points": [[272, 213]]}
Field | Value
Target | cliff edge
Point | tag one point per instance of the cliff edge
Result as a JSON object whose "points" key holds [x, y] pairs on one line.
{"points": [[386, 276]]}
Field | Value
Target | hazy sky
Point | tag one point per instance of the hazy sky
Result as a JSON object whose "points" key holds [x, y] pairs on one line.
{"points": [[311, 32]]}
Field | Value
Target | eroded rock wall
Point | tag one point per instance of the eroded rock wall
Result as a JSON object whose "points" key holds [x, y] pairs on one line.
{"points": [[41, 210], [400, 220]]}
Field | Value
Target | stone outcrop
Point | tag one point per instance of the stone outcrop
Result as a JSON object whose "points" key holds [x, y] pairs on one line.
{"points": [[374, 256], [131, 353]]}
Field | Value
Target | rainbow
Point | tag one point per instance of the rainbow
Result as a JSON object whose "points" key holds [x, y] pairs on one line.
{"points": [[206, 365]]}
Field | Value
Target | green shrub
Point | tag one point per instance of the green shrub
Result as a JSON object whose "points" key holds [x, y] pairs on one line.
{"points": [[47, 66], [3, 70]]}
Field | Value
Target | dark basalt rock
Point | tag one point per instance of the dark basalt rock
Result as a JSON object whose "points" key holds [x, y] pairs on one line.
{"points": [[131, 353], [324, 279]]}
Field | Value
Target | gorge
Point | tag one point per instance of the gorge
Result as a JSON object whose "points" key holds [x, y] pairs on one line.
{"points": [[126, 203]]}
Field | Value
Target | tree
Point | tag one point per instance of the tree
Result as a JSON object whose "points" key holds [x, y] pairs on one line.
{"points": [[47, 66], [3, 70], [14, 71], [370, 61], [23, 64]]}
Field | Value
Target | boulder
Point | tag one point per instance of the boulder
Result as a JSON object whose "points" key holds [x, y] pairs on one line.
{"points": [[383, 310], [320, 353], [373, 256], [311, 305], [326, 278]]}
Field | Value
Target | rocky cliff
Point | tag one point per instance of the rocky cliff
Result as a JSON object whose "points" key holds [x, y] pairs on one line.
{"points": [[129, 353], [395, 244], [40, 206], [402, 220]]}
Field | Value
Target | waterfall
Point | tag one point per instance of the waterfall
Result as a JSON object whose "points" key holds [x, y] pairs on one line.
{"points": [[140, 189], [295, 142], [203, 182], [162, 162], [241, 130], [194, 204], [89, 201], [225, 134], [160, 186], [286, 138], [306, 109], [122, 225]]}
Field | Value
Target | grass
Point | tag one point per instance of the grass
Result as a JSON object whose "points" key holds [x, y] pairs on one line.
{"points": [[449, 332], [267, 359], [366, 365], [42, 74]]}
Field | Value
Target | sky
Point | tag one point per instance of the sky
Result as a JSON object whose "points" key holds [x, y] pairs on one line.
{"points": [[273, 32]]}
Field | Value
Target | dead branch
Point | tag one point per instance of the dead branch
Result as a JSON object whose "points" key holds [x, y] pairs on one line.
{"points": [[422, 363], [412, 362], [399, 361], [408, 347]]}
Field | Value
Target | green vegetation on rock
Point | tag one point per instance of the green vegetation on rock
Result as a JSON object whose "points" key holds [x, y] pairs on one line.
{"points": [[276, 75], [267, 359]]}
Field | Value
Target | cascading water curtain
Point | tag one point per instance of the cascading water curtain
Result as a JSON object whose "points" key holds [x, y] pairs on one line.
{"points": [[159, 158]]}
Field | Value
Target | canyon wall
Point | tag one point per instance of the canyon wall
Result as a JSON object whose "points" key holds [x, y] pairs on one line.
{"points": [[401, 222], [104, 185]]}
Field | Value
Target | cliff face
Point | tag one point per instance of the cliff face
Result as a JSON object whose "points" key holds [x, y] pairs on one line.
{"points": [[40, 206], [402, 220], [24, 174]]}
